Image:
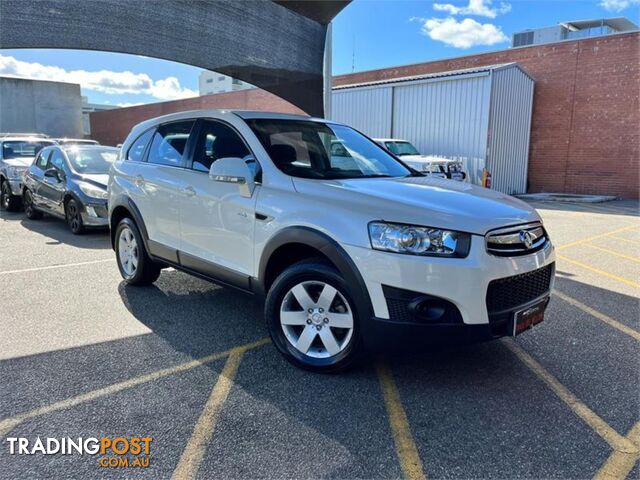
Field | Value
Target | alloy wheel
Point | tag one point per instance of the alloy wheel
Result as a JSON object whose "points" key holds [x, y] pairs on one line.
{"points": [[316, 319], [128, 252], [73, 217]]}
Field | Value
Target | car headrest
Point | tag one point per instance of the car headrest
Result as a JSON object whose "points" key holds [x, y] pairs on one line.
{"points": [[282, 154]]}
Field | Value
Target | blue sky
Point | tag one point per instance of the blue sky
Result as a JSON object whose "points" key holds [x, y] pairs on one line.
{"points": [[368, 34]]}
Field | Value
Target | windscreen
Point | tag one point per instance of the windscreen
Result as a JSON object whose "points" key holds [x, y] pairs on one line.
{"points": [[22, 148], [308, 149], [91, 160], [402, 148]]}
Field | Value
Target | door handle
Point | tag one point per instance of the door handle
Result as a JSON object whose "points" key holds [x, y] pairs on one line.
{"points": [[189, 191], [139, 181]]}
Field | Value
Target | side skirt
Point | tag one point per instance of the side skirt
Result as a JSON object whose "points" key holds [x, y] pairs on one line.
{"points": [[200, 268]]}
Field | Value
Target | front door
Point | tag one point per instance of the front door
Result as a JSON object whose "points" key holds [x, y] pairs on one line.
{"points": [[217, 223], [51, 189]]}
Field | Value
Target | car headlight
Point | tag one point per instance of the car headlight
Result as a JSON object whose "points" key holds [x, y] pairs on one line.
{"points": [[415, 240], [15, 172], [93, 192]]}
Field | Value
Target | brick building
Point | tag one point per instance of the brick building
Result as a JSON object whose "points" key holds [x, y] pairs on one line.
{"points": [[585, 132]]}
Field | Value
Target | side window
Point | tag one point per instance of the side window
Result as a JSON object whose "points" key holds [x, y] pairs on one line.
{"points": [[41, 161], [217, 140], [136, 151], [169, 142], [56, 160]]}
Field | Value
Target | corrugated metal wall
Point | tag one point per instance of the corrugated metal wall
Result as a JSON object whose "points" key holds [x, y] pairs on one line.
{"points": [[481, 118], [509, 130], [446, 117], [366, 109]]}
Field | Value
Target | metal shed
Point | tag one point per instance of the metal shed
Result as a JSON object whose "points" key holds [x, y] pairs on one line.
{"points": [[481, 115]]}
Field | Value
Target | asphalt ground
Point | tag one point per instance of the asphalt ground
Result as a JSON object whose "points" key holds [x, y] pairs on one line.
{"points": [[187, 363]]}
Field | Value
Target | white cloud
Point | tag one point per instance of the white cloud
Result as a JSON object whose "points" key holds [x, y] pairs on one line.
{"points": [[482, 8], [105, 81], [462, 34], [128, 104], [617, 5]]}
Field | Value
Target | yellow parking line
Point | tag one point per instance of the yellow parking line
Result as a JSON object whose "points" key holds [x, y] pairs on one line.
{"points": [[193, 453], [51, 267], [628, 240], [600, 316], [594, 237], [404, 442], [601, 272], [602, 428], [620, 464], [7, 424], [611, 252]]}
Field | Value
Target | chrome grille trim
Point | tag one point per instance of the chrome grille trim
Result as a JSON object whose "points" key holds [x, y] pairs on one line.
{"points": [[508, 241]]}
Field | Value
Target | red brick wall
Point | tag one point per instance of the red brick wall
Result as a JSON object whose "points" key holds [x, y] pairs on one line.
{"points": [[111, 127], [585, 132]]}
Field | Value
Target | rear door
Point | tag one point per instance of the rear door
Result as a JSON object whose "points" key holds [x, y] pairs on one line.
{"points": [[153, 167]]}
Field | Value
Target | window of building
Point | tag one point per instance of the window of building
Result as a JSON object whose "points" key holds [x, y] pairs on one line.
{"points": [[169, 142], [209, 80], [221, 78]]}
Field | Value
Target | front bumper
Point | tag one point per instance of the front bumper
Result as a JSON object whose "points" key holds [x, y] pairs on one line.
{"points": [[95, 215], [461, 283], [16, 186]]}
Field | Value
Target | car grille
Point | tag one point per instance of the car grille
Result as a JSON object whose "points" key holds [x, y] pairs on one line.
{"points": [[511, 292], [516, 240]]}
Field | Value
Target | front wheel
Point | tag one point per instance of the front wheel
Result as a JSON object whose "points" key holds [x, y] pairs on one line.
{"points": [[312, 318], [133, 261], [74, 217], [8, 201]]}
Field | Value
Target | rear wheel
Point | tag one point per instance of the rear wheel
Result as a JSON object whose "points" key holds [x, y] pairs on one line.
{"points": [[312, 318], [8, 201], [133, 261], [29, 209], [74, 217]]}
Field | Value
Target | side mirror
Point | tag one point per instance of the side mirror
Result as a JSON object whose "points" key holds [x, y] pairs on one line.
{"points": [[234, 170], [52, 173]]}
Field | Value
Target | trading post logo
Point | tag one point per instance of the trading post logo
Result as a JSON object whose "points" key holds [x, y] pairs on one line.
{"points": [[117, 452]]}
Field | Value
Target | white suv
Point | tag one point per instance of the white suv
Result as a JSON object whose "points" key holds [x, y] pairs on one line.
{"points": [[350, 253]]}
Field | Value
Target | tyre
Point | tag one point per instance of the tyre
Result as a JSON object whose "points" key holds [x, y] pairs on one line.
{"points": [[312, 318], [8, 201], [72, 211], [29, 209], [133, 261]]}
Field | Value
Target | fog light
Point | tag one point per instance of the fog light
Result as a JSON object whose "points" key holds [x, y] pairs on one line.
{"points": [[91, 212]]}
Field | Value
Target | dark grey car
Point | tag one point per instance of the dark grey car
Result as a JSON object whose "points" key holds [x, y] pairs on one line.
{"points": [[70, 182]]}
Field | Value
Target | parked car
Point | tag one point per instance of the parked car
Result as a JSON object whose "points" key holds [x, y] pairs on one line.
{"points": [[355, 254], [16, 154], [76, 141], [432, 165], [70, 182], [23, 134]]}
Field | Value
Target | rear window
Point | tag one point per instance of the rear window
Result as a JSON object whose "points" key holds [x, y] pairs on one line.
{"points": [[169, 143], [22, 148], [136, 151]]}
